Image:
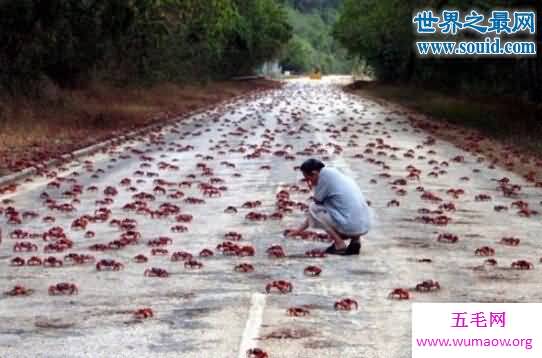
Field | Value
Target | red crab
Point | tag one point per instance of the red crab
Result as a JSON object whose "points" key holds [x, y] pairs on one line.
{"points": [[184, 218], [522, 265], [158, 190], [54, 233], [17, 261], [25, 247], [527, 213], [231, 210], [193, 264], [281, 286], [52, 261], [399, 294], [181, 256], [510, 241], [244, 267], [254, 216], [246, 251], [298, 312], [206, 253], [63, 288], [156, 272], [520, 204], [346, 304], [109, 265], [110, 191], [19, 291], [275, 251], [447, 238], [140, 259], [161, 241], [482, 197], [484, 251], [458, 159], [179, 228], [58, 246], [312, 271], [456, 193], [77, 259], [490, 262], [256, 353], [233, 236], [212, 192], [393, 203], [192, 200], [428, 285], [159, 252], [143, 313], [442, 220], [276, 216], [251, 204], [79, 224], [18, 234], [447, 207]]}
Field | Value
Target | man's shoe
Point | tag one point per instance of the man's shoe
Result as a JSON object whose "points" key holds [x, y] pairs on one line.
{"points": [[333, 251], [353, 248]]}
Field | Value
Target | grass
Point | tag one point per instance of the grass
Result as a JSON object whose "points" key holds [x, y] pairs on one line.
{"points": [[33, 130], [508, 120]]}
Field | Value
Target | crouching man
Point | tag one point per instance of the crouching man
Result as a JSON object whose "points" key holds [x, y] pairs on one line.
{"points": [[339, 208]]}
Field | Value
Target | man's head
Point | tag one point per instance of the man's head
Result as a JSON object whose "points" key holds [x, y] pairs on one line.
{"points": [[311, 171]]}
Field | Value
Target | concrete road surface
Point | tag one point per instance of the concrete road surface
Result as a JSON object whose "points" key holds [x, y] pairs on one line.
{"points": [[247, 151]]}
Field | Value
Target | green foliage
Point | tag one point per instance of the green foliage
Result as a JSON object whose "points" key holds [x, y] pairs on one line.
{"points": [[375, 30], [142, 40], [314, 42], [381, 33], [299, 55], [61, 39], [261, 32], [309, 5]]}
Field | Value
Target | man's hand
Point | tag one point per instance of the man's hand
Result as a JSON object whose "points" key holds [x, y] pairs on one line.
{"points": [[297, 231]]}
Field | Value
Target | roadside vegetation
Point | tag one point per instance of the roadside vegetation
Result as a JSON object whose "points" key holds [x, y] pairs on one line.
{"points": [[69, 42], [501, 97], [73, 72], [382, 33], [313, 45]]}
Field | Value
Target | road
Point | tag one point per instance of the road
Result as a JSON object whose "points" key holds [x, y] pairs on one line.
{"points": [[217, 312]]}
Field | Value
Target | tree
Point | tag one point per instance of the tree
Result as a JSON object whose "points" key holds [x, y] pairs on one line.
{"points": [[135, 40]]}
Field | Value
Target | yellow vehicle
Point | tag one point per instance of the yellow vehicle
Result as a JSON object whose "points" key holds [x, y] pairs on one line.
{"points": [[316, 75]]}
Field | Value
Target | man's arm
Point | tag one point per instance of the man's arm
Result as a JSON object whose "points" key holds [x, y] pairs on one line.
{"points": [[321, 191], [294, 232]]}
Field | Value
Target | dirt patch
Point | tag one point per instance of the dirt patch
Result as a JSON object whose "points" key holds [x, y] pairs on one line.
{"points": [[33, 132]]}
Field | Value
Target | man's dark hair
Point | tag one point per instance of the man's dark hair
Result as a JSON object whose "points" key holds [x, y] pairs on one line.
{"points": [[311, 165]]}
